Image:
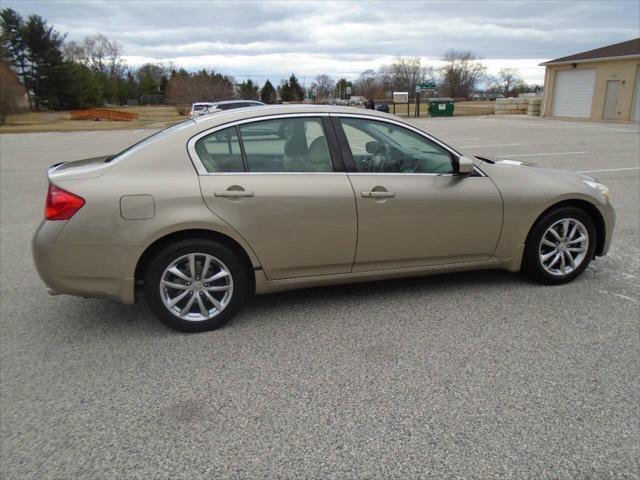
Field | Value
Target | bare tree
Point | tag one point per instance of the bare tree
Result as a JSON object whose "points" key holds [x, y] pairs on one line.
{"points": [[73, 52], [405, 73], [461, 73], [202, 86], [508, 78], [369, 85], [323, 85], [98, 53]]}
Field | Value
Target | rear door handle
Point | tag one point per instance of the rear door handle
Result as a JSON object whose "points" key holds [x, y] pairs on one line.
{"points": [[378, 194], [233, 194]]}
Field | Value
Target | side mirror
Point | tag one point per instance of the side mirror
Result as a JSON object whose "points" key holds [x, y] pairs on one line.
{"points": [[372, 147], [465, 166]]}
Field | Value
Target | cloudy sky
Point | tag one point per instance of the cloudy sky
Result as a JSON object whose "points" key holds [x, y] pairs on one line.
{"points": [[272, 39]]}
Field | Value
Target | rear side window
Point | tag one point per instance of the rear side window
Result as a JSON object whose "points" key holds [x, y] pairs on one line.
{"points": [[286, 145], [220, 151]]}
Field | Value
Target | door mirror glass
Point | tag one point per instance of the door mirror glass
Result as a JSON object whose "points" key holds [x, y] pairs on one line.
{"points": [[465, 166]]}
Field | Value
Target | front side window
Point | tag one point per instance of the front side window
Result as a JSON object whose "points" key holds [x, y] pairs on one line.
{"points": [[220, 151], [286, 145], [380, 147]]}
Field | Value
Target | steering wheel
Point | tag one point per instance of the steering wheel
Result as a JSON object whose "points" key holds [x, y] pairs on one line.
{"points": [[380, 158]]}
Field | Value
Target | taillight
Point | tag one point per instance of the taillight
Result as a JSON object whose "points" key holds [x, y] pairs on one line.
{"points": [[61, 205]]}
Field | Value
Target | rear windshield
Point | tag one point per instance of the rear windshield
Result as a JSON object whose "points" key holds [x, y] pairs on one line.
{"points": [[150, 139]]}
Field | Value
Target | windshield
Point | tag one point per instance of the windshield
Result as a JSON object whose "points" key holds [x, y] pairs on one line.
{"points": [[199, 106], [150, 139]]}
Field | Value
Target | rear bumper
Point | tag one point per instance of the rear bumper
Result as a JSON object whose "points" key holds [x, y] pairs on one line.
{"points": [[87, 271]]}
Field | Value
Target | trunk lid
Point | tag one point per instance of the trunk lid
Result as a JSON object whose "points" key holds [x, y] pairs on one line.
{"points": [[79, 169]]}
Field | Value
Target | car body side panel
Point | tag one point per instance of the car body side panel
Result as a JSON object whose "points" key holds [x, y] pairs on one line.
{"points": [[264, 285], [298, 224], [431, 220], [101, 243]]}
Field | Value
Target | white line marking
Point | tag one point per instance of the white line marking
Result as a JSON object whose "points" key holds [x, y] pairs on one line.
{"points": [[543, 154], [547, 121], [610, 170], [88, 133], [619, 295], [495, 145]]}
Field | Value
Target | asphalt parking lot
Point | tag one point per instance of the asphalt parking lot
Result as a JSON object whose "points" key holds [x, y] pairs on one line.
{"points": [[471, 375]]}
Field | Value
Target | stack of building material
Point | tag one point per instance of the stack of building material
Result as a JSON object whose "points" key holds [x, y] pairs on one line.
{"points": [[511, 106], [533, 110], [518, 106]]}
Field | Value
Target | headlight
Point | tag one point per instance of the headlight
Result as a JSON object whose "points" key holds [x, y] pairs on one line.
{"points": [[598, 186]]}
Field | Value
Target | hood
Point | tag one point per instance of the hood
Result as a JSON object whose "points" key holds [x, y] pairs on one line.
{"points": [[79, 169], [525, 180], [513, 163]]}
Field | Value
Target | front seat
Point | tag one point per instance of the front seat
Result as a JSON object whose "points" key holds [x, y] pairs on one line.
{"points": [[318, 155], [295, 150]]}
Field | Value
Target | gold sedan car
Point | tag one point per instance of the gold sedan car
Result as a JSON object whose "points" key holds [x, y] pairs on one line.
{"points": [[200, 216]]}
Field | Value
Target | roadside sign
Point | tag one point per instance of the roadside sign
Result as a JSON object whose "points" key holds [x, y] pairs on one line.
{"points": [[400, 97], [348, 90], [425, 87]]}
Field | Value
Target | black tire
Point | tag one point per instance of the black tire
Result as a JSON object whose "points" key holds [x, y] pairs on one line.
{"points": [[531, 263], [165, 257]]}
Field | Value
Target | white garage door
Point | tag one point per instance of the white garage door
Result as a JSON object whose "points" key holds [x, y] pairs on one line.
{"points": [[573, 93]]}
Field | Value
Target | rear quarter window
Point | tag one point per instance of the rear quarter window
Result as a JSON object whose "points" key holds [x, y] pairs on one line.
{"points": [[220, 151]]}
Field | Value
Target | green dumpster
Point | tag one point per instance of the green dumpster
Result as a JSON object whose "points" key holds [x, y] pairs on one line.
{"points": [[441, 107]]}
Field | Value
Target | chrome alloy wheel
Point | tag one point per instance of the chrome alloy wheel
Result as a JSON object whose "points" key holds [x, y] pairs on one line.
{"points": [[564, 247], [196, 287]]}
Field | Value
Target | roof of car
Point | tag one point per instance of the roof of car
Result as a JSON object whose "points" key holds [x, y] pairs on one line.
{"points": [[266, 110]]}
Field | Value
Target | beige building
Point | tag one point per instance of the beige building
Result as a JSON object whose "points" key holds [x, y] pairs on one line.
{"points": [[601, 84]]}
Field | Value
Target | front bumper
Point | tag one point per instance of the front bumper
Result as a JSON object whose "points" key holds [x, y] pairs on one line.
{"points": [[609, 217], [87, 271]]}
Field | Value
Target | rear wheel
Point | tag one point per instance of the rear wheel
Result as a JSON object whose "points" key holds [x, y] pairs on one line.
{"points": [[560, 246], [195, 285]]}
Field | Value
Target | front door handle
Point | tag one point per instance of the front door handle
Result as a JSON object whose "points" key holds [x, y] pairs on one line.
{"points": [[234, 194], [378, 194]]}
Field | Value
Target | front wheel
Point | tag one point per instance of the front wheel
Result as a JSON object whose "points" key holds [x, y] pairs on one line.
{"points": [[560, 246], [195, 285]]}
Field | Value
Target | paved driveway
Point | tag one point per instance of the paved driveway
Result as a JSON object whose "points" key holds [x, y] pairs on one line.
{"points": [[471, 375]]}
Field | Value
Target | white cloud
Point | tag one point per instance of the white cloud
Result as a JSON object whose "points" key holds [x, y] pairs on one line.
{"points": [[270, 39]]}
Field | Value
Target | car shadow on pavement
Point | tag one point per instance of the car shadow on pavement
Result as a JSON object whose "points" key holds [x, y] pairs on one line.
{"points": [[110, 318], [440, 287]]}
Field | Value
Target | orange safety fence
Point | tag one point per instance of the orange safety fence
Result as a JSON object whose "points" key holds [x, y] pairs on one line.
{"points": [[102, 114]]}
